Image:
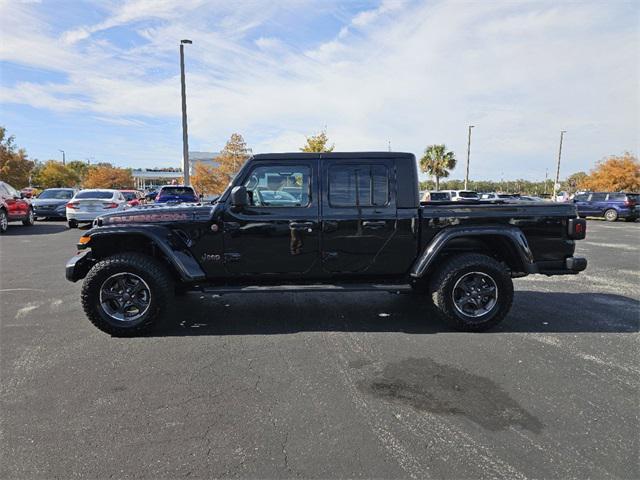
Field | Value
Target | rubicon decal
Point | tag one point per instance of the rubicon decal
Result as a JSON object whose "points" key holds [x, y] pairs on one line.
{"points": [[148, 218]]}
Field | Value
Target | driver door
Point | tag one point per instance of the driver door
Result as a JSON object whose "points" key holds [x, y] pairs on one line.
{"points": [[278, 232]]}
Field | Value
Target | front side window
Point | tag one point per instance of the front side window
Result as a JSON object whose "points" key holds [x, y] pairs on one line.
{"points": [[279, 186], [358, 186]]}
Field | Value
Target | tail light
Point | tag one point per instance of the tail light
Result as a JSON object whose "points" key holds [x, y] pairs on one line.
{"points": [[577, 228], [110, 205], [630, 203], [74, 205]]}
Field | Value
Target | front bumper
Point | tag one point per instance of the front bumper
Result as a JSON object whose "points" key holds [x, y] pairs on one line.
{"points": [[78, 266], [49, 212]]}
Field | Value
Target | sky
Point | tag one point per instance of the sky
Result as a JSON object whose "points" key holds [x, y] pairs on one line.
{"points": [[101, 79]]}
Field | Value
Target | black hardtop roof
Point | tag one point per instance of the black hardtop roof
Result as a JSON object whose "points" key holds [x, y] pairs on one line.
{"points": [[331, 155]]}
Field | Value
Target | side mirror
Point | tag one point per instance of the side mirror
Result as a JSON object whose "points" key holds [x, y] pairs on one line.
{"points": [[239, 198]]}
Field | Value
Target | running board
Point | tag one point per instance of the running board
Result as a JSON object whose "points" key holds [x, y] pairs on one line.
{"points": [[402, 288]]}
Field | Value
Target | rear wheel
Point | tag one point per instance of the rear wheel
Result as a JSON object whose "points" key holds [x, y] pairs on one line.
{"points": [[126, 294], [30, 219], [473, 292], [611, 215], [72, 224], [4, 221]]}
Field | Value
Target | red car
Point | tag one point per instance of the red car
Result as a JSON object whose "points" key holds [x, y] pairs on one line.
{"points": [[133, 197], [13, 207]]}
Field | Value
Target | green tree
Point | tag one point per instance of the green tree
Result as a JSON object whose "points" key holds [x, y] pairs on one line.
{"points": [[79, 167], [437, 162], [54, 174], [15, 167], [318, 143]]}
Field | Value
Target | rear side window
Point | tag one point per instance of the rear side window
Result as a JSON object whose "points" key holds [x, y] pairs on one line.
{"points": [[99, 195], [439, 196], [468, 195], [618, 196], [358, 186], [598, 197]]}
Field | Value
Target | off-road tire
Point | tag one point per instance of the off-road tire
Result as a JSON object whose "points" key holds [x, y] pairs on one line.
{"points": [[30, 219], [611, 215], [152, 271], [72, 224], [444, 281]]}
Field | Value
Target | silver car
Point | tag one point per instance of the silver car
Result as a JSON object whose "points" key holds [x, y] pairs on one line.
{"points": [[86, 205]]}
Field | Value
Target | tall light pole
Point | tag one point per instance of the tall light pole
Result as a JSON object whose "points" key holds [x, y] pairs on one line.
{"points": [[555, 185], [64, 161], [466, 177], [185, 139]]}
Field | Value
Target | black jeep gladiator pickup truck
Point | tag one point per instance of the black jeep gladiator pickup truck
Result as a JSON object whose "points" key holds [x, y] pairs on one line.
{"points": [[338, 222]]}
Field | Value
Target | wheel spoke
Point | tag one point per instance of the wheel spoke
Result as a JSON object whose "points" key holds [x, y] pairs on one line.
{"points": [[125, 297]]}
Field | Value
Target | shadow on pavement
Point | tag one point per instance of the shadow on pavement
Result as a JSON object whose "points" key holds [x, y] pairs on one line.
{"points": [[286, 313], [46, 228]]}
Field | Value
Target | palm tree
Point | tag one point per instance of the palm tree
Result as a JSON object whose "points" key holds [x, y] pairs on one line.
{"points": [[437, 162]]}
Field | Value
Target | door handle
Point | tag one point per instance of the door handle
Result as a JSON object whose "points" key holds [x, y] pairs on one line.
{"points": [[374, 225], [308, 226]]}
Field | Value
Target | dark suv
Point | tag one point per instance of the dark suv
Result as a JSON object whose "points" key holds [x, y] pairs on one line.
{"points": [[610, 205]]}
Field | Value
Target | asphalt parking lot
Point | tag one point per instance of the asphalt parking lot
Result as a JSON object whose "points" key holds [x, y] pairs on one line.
{"points": [[322, 385]]}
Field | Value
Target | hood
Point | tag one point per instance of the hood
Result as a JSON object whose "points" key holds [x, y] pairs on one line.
{"points": [[153, 214], [40, 202]]}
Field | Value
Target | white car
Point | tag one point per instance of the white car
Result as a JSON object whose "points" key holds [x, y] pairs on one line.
{"points": [[88, 204], [463, 195]]}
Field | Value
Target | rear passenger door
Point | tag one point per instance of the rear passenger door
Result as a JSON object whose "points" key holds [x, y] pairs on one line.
{"points": [[358, 215], [597, 203]]}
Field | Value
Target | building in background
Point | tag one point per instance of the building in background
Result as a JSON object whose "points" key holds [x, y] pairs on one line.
{"points": [[152, 178]]}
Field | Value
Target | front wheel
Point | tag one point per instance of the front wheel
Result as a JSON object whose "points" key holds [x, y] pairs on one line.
{"points": [[4, 221], [72, 224], [473, 292], [126, 294], [30, 219]]}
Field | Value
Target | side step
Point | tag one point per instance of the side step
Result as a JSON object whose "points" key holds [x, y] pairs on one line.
{"points": [[364, 287]]}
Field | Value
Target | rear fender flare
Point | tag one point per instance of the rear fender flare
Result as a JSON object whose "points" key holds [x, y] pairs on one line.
{"points": [[440, 240]]}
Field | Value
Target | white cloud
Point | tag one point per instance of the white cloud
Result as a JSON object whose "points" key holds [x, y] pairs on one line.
{"points": [[410, 73]]}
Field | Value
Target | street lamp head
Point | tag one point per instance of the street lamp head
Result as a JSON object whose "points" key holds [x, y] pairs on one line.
{"points": [[186, 41]]}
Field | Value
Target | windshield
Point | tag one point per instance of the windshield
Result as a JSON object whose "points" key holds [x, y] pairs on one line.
{"points": [[94, 194], [129, 196], [177, 191], [56, 194]]}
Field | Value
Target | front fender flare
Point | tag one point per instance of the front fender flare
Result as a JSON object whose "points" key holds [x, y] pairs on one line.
{"points": [[440, 240], [183, 262]]}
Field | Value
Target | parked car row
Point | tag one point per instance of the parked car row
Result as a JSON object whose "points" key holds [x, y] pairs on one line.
{"points": [[78, 206], [608, 205], [469, 196]]}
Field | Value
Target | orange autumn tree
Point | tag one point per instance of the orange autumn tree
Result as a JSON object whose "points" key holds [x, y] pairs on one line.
{"points": [[207, 179], [108, 176], [614, 174]]}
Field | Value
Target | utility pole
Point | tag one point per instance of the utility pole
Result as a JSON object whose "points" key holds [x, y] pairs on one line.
{"points": [[555, 185], [466, 177], [185, 139], [64, 160]]}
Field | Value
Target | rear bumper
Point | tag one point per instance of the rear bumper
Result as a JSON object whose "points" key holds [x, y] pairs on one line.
{"points": [[568, 266], [78, 266]]}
